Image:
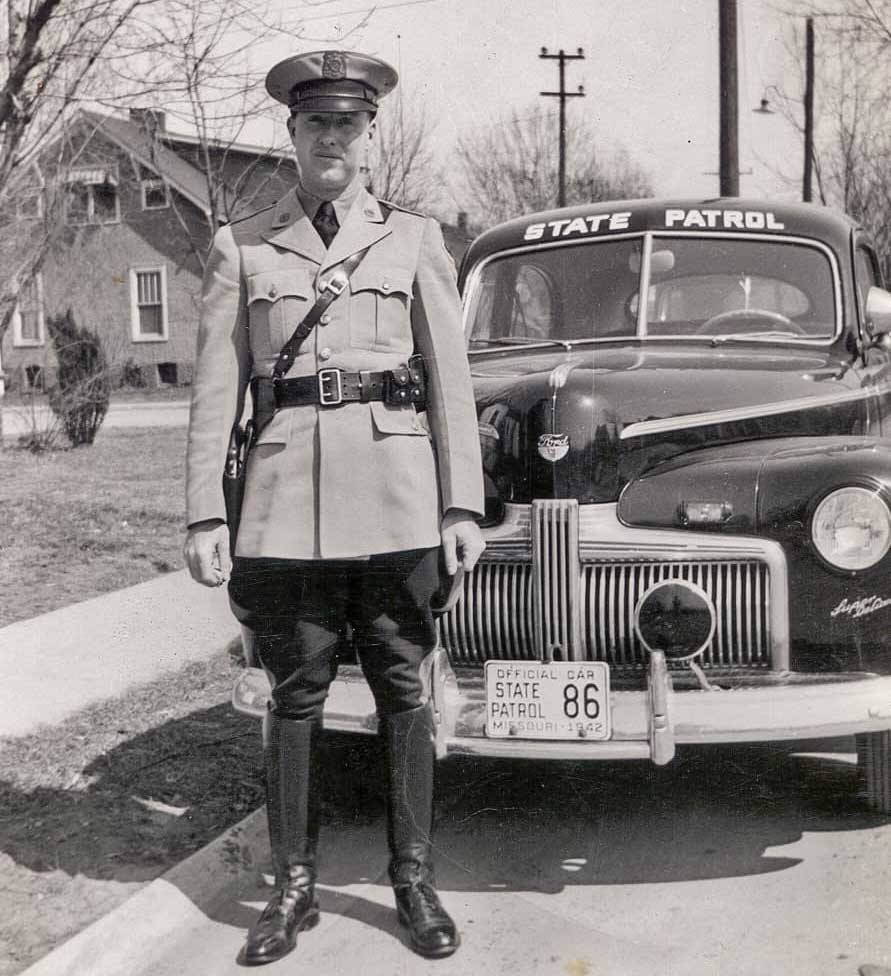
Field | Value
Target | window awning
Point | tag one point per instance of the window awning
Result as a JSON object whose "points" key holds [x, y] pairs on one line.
{"points": [[94, 175]]}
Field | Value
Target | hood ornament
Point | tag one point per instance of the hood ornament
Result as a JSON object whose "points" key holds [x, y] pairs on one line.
{"points": [[553, 447]]}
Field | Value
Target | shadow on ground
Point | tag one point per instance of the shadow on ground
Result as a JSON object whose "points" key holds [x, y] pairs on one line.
{"points": [[517, 825]]}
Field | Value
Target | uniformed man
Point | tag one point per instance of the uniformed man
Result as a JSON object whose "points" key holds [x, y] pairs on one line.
{"points": [[350, 491]]}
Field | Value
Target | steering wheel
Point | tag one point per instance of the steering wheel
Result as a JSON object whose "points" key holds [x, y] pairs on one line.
{"points": [[725, 322]]}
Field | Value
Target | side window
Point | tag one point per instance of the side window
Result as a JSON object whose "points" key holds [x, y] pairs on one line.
{"points": [[866, 275], [532, 309], [28, 318], [148, 304]]}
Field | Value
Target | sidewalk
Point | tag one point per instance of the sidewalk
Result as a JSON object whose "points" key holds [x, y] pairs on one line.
{"points": [[55, 664], [135, 413]]}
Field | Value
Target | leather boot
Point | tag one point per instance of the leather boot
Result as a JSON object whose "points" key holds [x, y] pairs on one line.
{"points": [[409, 739], [292, 809]]}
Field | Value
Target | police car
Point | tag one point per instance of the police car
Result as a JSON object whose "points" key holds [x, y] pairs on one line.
{"points": [[685, 415]]}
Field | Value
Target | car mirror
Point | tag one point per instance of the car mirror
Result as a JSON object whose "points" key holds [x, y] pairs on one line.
{"points": [[878, 312], [661, 262]]}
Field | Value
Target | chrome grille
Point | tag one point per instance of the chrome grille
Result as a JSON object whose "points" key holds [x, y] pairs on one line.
{"points": [[555, 558], [496, 617]]}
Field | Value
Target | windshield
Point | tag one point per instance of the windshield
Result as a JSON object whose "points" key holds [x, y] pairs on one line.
{"points": [[697, 287]]}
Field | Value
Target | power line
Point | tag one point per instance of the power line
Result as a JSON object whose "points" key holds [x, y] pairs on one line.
{"points": [[365, 10]]}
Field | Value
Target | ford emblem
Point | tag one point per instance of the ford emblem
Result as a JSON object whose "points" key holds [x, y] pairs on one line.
{"points": [[552, 447]]}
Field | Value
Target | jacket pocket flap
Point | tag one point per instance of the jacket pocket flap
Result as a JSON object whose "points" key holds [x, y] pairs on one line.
{"points": [[397, 420], [386, 281], [270, 286], [277, 431]]}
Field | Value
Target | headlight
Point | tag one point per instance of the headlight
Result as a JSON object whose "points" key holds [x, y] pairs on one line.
{"points": [[675, 617], [851, 528]]}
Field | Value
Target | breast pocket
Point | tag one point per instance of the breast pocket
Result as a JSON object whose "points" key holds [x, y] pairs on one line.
{"points": [[380, 309], [277, 302]]}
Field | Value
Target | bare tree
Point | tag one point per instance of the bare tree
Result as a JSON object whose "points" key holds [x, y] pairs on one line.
{"points": [[401, 161], [511, 167], [54, 53], [852, 138]]}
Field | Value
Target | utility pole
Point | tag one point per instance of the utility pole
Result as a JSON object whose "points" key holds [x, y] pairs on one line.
{"points": [[729, 82], [563, 94], [807, 193]]}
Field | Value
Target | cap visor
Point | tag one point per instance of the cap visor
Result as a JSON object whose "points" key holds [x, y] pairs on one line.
{"points": [[333, 103]]}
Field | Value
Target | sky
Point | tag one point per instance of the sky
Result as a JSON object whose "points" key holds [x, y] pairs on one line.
{"points": [[650, 74]]}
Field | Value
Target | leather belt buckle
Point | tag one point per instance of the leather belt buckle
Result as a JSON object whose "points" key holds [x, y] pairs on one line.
{"points": [[328, 396]]}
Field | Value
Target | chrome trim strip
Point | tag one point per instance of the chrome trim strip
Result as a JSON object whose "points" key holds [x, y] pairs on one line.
{"points": [[685, 421], [555, 577]]}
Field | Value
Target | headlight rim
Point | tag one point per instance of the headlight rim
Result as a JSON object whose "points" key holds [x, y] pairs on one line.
{"points": [[873, 488]]}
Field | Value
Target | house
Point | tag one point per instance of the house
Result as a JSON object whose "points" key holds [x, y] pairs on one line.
{"points": [[135, 217], [135, 212]]}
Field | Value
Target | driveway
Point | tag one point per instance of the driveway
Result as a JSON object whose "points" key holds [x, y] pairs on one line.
{"points": [[745, 861]]}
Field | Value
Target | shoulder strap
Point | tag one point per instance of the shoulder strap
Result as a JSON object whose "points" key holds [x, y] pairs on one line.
{"points": [[335, 284]]}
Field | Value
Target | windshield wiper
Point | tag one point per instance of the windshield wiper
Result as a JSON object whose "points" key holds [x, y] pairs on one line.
{"points": [[522, 341]]}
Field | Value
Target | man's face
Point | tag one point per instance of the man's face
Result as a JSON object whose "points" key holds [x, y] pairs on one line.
{"points": [[329, 148]]}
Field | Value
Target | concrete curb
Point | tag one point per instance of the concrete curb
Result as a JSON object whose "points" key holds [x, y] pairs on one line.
{"points": [[145, 929]]}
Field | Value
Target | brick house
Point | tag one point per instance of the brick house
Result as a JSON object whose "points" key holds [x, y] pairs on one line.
{"points": [[135, 221]]}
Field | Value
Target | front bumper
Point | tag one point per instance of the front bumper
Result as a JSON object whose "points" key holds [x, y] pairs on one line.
{"points": [[647, 724]]}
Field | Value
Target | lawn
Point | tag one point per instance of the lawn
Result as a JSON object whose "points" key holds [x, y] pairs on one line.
{"points": [[77, 523]]}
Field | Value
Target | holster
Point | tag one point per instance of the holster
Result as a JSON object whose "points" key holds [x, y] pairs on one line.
{"points": [[240, 441]]}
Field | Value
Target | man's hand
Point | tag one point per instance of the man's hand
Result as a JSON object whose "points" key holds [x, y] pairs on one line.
{"points": [[207, 552], [462, 540]]}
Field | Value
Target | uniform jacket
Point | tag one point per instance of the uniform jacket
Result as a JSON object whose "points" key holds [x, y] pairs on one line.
{"points": [[354, 479]]}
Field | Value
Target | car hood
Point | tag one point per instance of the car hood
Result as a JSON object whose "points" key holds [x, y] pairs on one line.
{"points": [[582, 423]]}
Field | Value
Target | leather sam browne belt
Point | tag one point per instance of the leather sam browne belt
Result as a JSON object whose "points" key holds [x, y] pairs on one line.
{"points": [[331, 387]]}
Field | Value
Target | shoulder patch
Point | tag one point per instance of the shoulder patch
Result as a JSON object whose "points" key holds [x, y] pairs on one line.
{"points": [[400, 208]]}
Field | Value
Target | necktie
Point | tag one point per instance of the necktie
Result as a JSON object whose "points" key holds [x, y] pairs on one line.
{"points": [[325, 222]]}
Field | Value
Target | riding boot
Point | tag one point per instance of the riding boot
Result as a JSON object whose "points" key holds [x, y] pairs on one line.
{"points": [[409, 738], [292, 809]]}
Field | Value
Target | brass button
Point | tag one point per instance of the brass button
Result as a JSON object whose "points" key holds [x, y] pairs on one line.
{"points": [[325, 354], [385, 286], [273, 291], [325, 319]]}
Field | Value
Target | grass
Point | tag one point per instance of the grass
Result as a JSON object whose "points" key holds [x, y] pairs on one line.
{"points": [[81, 522], [109, 799], [116, 794]]}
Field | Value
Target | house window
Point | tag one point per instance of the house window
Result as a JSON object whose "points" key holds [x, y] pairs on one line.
{"points": [[154, 195], [28, 318], [91, 196], [148, 304], [29, 205]]}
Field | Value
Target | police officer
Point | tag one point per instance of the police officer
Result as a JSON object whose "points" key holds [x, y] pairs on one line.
{"points": [[368, 470]]}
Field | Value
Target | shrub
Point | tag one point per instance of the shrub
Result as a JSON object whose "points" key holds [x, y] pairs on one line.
{"points": [[83, 388], [132, 375]]}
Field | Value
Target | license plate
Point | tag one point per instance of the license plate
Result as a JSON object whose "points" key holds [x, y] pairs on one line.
{"points": [[564, 700]]}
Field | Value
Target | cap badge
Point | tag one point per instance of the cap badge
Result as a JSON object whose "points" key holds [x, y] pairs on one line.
{"points": [[333, 66], [553, 447]]}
